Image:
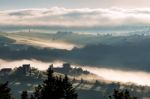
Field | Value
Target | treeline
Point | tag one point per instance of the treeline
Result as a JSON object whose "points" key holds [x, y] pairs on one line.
{"points": [[53, 87], [56, 87]]}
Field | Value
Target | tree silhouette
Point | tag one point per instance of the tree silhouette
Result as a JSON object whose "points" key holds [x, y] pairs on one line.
{"points": [[50, 86], [24, 95], [121, 94], [69, 91], [37, 93], [54, 87], [5, 91], [32, 97]]}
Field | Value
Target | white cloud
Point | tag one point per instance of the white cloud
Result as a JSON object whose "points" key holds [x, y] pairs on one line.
{"points": [[84, 17]]}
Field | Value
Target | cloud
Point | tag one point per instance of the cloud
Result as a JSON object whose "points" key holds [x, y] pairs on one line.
{"points": [[84, 17]]}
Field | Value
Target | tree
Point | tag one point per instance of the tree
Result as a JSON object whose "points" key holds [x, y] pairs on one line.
{"points": [[24, 95], [31, 97], [5, 91], [121, 94], [49, 88], [69, 91], [37, 93], [54, 87]]}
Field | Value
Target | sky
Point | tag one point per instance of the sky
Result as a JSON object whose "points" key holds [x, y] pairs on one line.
{"points": [[73, 14], [21, 4], [75, 17]]}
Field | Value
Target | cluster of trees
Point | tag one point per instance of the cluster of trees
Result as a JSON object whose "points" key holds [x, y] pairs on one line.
{"points": [[57, 87], [121, 94], [53, 87], [5, 91]]}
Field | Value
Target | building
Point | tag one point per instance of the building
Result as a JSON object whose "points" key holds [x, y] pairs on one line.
{"points": [[26, 68], [5, 71], [66, 66]]}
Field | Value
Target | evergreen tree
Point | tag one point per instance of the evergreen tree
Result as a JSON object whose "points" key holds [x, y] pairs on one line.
{"points": [[5, 91], [49, 86], [37, 93], [31, 97], [69, 91], [24, 95], [121, 94], [54, 87]]}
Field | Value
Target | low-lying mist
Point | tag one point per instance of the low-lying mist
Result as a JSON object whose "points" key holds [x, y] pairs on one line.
{"points": [[34, 63], [41, 42], [137, 77], [104, 74]]}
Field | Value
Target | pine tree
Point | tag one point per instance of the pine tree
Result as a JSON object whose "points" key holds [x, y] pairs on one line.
{"points": [[69, 91], [32, 97], [24, 95], [37, 93], [5, 91], [49, 85], [54, 87], [121, 94]]}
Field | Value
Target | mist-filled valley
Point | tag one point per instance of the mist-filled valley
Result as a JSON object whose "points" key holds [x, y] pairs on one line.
{"points": [[125, 53], [129, 52], [110, 59]]}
